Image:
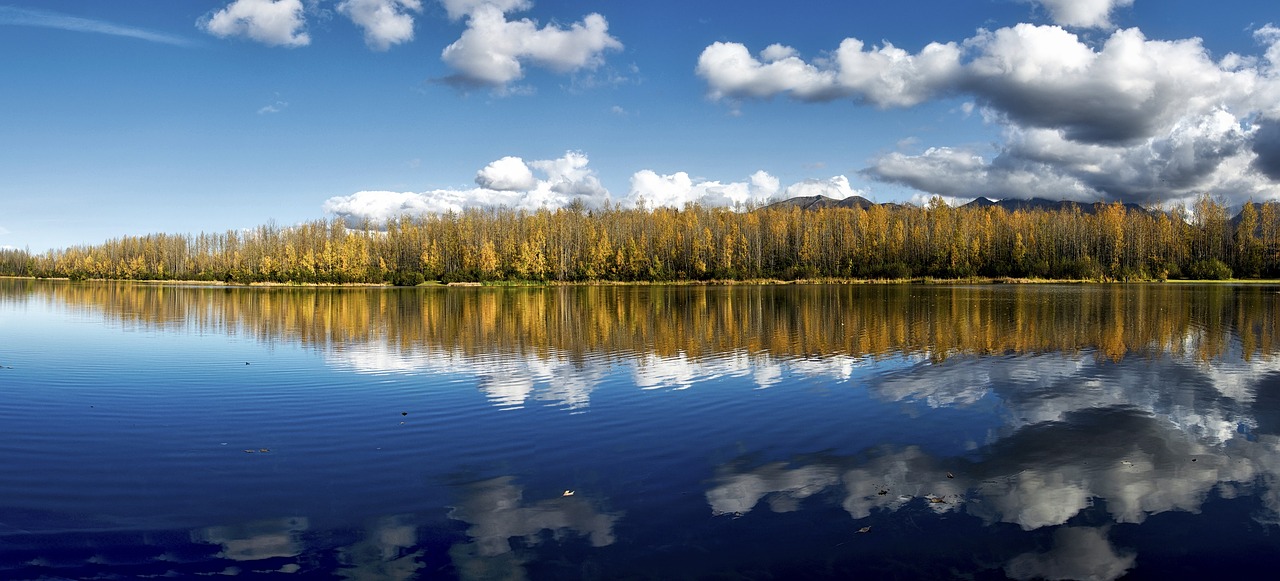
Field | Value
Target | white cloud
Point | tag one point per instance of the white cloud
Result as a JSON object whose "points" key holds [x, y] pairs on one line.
{"points": [[885, 76], [272, 22], [1211, 152], [569, 177], [836, 187], [1040, 76], [677, 189], [1083, 13], [508, 174], [1131, 118], [556, 183], [276, 107], [493, 50], [501, 183], [961, 173], [385, 22], [457, 9]]}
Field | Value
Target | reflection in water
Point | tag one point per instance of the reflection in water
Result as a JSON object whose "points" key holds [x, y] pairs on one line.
{"points": [[1131, 439], [1094, 410], [495, 513], [383, 552], [555, 344], [256, 541], [1077, 553]]}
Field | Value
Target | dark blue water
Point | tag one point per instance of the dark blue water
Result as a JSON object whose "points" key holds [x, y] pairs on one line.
{"points": [[1064, 432]]}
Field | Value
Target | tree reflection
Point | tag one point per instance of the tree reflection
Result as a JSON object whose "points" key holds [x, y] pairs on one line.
{"points": [[796, 321]]}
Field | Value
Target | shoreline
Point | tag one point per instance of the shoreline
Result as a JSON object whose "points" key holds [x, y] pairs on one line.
{"points": [[976, 281]]}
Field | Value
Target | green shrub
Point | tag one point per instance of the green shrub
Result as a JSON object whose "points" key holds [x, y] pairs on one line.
{"points": [[1211, 269]]}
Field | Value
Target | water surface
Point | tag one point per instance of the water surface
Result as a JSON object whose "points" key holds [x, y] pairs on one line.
{"points": [[910, 431]]}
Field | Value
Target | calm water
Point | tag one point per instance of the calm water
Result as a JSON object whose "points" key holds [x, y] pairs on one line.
{"points": [[1066, 432]]}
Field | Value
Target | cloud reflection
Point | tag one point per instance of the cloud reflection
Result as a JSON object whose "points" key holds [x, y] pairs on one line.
{"points": [[383, 552], [1126, 440], [496, 512], [258, 540], [1077, 553], [508, 381]]}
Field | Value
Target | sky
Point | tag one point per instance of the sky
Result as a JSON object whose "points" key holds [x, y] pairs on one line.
{"points": [[132, 117]]}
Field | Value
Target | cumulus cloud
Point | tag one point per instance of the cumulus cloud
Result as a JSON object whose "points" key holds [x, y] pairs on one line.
{"points": [[457, 9], [1215, 152], [506, 182], [493, 51], [677, 189], [513, 182], [569, 179], [1266, 145], [272, 22], [385, 22], [508, 174], [886, 76], [961, 173], [1083, 13], [1040, 76], [1129, 118], [836, 187], [1131, 88]]}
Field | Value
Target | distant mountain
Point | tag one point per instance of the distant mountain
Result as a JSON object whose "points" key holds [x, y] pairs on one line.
{"points": [[822, 202], [1257, 212], [1009, 205]]}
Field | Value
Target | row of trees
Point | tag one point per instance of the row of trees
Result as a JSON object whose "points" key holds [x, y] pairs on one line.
{"points": [[699, 243]]}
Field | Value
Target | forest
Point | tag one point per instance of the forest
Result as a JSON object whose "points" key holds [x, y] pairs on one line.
{"points": [[1103, 242]]}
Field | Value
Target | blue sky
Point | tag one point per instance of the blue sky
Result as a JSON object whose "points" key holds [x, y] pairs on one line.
{"points": [[139, 116]]}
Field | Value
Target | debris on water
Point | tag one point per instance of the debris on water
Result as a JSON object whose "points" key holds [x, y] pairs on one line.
{"points": [[264, 450], [567, 493], [864, 530], [248, 451], [936, 499], [883, 492]]}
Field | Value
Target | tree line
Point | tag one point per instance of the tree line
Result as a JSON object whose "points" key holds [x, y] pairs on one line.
{"points": [[886, 241]]}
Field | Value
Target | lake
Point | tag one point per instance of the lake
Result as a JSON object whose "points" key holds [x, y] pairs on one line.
{"points": [[874, 431]]}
